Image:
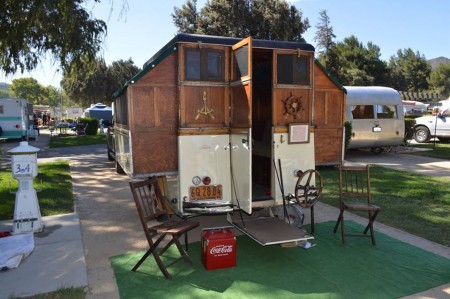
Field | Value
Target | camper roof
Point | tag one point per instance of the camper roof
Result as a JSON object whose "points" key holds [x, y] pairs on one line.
{"points": [[372, 95], [170, 47]]}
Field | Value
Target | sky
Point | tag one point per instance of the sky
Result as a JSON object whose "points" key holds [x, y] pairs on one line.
{"points": [[392, 25]]}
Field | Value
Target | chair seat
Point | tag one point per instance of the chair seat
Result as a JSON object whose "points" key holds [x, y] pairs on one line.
{"points": [[173, 227], [361, 206]]}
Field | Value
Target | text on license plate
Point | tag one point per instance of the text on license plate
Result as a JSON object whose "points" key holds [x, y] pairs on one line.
{"points": [[206, 192]]}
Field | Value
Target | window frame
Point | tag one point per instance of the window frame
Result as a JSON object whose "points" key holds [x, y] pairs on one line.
{"points": [[204, 64]]}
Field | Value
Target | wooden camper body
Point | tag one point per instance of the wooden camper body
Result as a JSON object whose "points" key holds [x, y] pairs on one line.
{"points": [[203, 94]]}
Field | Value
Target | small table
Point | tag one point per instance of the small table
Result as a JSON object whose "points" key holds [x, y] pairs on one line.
{"points": [[62, 128]]}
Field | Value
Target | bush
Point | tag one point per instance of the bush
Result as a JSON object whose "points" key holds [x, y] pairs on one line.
{"points": [[92, 128]]}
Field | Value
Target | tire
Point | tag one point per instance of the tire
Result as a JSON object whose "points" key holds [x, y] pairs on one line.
{"points": [[110, 156], [119, 169], [377, 150], [422, 134]]}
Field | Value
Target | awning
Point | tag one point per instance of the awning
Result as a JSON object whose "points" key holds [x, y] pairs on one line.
{"points": [[419, 96]]}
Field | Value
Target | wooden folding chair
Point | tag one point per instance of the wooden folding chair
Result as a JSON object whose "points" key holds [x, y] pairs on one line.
{"points": [[355, 195], [157, 225], [81, 129]]}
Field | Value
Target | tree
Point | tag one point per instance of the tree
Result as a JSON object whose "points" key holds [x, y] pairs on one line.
{"points": [[324, 34], [263, 19], [97, 83], [30, 29], [440, 80], [409, 71], [29, 89], [352, 63], [186, 20]]}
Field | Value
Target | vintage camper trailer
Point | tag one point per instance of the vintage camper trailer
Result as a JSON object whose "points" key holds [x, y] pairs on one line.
{"points": [[15, 117], [376, 114], [216, 117]]}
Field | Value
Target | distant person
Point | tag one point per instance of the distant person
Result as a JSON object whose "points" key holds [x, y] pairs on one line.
{"points": [[44, 118]]}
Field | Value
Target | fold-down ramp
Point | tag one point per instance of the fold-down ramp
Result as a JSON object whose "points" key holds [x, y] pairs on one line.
{"points": [[269, 230]]}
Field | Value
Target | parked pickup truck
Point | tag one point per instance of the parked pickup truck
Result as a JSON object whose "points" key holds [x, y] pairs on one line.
{"points": [[433, 126], [110, 143]]}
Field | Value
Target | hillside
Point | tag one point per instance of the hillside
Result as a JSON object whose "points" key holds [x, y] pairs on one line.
{"points": [[435, 62]]}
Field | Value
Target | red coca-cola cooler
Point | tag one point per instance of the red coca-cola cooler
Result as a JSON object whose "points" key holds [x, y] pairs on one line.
{"points": [[218, 248]]}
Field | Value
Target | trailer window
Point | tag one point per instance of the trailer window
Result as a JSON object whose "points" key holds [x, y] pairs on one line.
{"points": [[386, 111], [1, 109], [204, 64], [362, 112], [293, 69]]}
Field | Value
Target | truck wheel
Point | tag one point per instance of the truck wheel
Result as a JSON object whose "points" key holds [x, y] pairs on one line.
{"points": [[119, 168], [422, 134]]}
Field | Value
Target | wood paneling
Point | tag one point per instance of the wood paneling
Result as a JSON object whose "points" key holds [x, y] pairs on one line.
{"points": [[154, 119], [328, 146], [163, 73], [195, 99], [329, 118], [279, 100], [154, 152]]}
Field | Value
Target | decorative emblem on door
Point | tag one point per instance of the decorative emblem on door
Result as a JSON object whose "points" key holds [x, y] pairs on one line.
{"points": [[204, 110], [293, 106]]}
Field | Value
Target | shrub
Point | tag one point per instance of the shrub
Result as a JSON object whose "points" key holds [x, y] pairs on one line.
{"points": [[348, 133], [92, 128]]}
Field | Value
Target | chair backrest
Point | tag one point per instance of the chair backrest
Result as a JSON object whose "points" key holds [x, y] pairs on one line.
{"points": [[354, 182], [149, 201]]}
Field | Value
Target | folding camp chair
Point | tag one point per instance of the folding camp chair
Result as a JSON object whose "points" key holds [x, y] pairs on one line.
{"points": [[354, 184], [157, 225]]}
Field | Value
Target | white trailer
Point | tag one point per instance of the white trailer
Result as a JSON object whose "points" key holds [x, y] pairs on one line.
{"points": [[16, 115], [376, 114]]}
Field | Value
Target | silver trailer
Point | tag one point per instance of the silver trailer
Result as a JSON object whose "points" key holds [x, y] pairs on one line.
{"points": [[377, 118]]}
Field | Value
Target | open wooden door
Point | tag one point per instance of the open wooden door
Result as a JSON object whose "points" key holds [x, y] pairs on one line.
{"points": [[241, 118]]}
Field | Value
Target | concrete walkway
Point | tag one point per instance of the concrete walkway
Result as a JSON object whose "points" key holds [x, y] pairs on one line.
{"points": [[109, 226]]}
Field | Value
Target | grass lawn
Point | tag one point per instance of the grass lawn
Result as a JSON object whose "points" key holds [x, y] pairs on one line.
{"points": [[415, 203], [55, 198], [439, 150], [76, 140]]}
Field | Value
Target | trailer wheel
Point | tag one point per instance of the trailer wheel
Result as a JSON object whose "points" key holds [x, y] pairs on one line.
{"points": [[422, 134], [306, 194]]}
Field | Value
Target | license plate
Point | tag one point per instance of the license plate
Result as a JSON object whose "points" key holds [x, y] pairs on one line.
{"points": [[206, 192]]}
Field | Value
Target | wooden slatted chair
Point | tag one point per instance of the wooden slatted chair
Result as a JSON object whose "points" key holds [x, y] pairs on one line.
{"points": [[355, 195], [157, 224], [81, 129]]}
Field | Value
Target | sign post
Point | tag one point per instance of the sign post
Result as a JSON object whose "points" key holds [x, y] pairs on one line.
{"points": [[27, 215]]}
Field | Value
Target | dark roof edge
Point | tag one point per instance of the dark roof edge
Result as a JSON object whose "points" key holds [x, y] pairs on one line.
{"points": [[170, 47], [335, 81]]}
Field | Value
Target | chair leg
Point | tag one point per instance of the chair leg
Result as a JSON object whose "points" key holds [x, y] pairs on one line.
{"points": [[342, 227], [143, 258], [312, 220], [338, 222], [181, 250], [372, 235], [373, 220]]}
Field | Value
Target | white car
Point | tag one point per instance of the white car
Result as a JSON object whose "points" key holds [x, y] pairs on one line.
{"points": [[433, 126]]}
